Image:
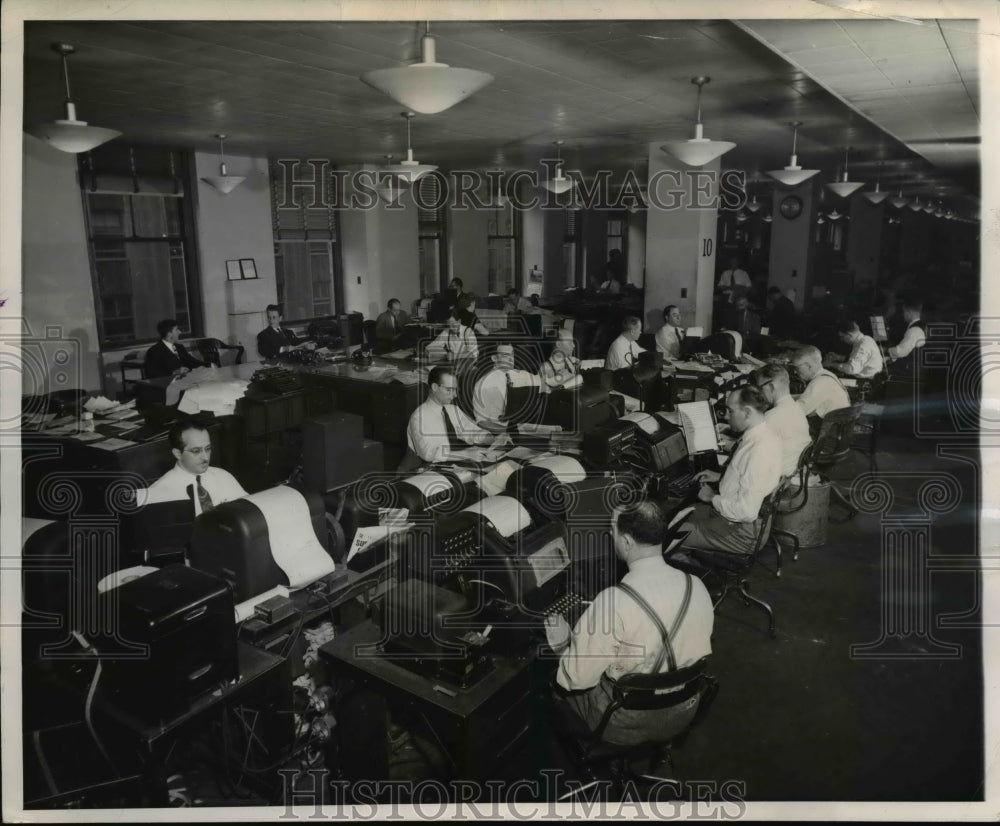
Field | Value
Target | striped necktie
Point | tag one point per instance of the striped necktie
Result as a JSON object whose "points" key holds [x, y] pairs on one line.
{"points": [[204, 499]]}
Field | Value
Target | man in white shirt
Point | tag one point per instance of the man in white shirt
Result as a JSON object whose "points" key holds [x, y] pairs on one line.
{"points": [[865, 359], [457, 343], [914, 337], [617, 635], [785, 417], [192, 477], [438, 430], [823, 392], [727, 520], [670, 337], [489, 396], [624, 352], [735, 281]]}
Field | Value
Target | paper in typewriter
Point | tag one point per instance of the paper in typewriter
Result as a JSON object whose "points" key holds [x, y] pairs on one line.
{"points": [[506, 514], [294, 545], [698, 425], [645, 422]]}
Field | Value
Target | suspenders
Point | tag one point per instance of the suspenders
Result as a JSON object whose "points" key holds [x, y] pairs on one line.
{"points": [[667, 652]]}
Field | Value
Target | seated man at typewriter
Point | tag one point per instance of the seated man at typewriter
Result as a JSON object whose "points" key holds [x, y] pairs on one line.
{"points": [[438, 430], [824, 391], [785, 417], [620, 632], [193, 477], [726, 520], [489, 396], [624, 352], [865, 360], [275, 339], [456, 343]]}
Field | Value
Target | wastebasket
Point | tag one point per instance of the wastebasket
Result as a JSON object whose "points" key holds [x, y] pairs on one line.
{"points": [[809, 523]]}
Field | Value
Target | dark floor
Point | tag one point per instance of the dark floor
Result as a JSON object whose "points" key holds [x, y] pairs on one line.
{"points": [[872, 689]]}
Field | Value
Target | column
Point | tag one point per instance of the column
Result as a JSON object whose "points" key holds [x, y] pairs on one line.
{"points": [[680, 239], [791, 243]]}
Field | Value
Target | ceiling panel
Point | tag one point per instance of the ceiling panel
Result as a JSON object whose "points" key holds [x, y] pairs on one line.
{"points": [[608, 88]]}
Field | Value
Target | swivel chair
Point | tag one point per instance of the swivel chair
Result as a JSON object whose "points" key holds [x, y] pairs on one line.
{"points": [[211, 349], [833, 443], [650, 693]]}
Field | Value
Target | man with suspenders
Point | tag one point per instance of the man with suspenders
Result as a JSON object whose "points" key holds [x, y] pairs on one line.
{"points": [[824, 391], [656, 619]]}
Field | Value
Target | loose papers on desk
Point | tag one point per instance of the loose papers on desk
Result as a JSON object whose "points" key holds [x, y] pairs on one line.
{"points": [[114, 444], [294, 545], [693, 367], [218, 397], [367, 536]]}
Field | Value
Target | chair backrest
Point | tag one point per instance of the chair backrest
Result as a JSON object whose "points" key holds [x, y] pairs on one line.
{"points": [[765, 517], [211, 349], [836, 433]]}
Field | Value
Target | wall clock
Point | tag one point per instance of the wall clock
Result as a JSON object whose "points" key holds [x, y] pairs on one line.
{"points": [[791, 207]]}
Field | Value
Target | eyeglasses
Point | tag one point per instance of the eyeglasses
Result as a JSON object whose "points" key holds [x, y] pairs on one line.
{"points": [[762, 385], [198, 451]]}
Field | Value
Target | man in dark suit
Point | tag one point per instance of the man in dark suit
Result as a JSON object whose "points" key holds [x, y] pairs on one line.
{"points": [[275, 339], [389, 325], [743, 320], [781, 319], [168, 357]]}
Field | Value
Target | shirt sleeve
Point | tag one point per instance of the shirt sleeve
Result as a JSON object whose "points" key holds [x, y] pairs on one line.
{"points": [[430, 447], [757, 474], [468, 429], [911, 338], [809, 400], [593, 645]]}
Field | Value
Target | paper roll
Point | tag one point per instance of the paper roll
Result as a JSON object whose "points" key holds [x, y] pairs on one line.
{"points": [[645, 421], [505, 513], [428, 483], [294, 545], [565, 468]]}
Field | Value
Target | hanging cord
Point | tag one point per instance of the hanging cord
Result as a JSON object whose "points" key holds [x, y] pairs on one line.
{"points": [[90, 699]]}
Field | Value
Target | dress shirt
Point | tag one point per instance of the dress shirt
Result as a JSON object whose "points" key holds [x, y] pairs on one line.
{"points": [[616, 636], [175, 483], [752, 473], [489, 397], [668, 341], [734, 278], [788, 423], [823, 394], [551, 377], [427, 435], [865, 359], [623, 352], [913, 338], [454, 346]]}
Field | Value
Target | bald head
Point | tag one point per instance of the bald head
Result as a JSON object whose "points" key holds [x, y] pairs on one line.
{"points": [[807, 362]]}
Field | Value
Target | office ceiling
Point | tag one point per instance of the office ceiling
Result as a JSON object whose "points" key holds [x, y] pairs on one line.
{"points": [[899, 94]]}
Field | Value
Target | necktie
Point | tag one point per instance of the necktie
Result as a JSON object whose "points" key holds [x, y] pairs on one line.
{"points": [[453, 441], [395, 329], [203, 496]]}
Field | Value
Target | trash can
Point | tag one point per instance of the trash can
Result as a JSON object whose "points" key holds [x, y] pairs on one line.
{"points": [[809, 523]]}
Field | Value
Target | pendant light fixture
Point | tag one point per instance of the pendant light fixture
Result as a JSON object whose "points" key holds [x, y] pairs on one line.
{"points": [[915, 205], [427, 86], [876, 196], [793, 174], [223, 182], [845, 188], [899, 201], [699, 150], [767, 219], [559, 184], [409, 170], [71, 135], [390, 188], [834, 216]]}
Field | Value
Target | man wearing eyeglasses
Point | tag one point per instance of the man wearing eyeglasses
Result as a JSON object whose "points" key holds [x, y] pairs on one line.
{"points": [[785, 417], [193, 477]]}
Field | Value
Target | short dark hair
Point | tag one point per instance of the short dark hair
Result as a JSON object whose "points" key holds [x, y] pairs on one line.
{"points": [[630, 322], [774, 290], [750, 396], [437, 373], [847, 325], [645, 523], [667, 309], [176, 435], [391, 302], [457, 282], [165, 326], [273, 307], [913, 303]]}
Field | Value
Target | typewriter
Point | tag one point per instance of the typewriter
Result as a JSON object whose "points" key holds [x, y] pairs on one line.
{"points": [[277, 380]]}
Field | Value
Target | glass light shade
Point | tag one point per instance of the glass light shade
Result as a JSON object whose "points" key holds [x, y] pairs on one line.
{"points": [[754, 205], [899, 201], [427, 87], [409, 170], [834, 216], [559, 184], [821, 220], [390, 193], [915, 205], [792, 175], [767, 218], [875, 196], [929, 207], [741, 217], [845, 188], [72, 135], [223, 182], [699, 150]]}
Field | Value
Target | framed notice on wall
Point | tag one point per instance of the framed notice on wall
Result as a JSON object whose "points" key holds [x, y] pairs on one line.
{"points": [[233, 272], [247, 268]]}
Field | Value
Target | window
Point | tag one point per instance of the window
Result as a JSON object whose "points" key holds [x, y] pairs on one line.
{"points": [[502, 239], [617, 233], [431, 236], [138, 232], [305, 230]]}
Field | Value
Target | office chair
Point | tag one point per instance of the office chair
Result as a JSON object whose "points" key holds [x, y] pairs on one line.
{"points": [[650, 693], [833, 443], [793, 498], [731, 567], [211, 349], [866, 432]]}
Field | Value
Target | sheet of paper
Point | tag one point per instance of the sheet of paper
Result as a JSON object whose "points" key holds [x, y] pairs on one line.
{"points": [[698, 425], [646, 423], [368, 536], [88, 436], [114, 444], [505, 513]]}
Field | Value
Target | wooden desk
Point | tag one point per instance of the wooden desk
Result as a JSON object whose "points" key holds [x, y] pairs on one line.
{"points": [[480, 726]]}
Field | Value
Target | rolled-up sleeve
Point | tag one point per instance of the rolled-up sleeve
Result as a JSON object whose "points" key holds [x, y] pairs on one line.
{"points": [[593, 646]]}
